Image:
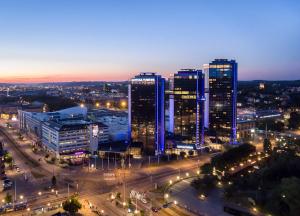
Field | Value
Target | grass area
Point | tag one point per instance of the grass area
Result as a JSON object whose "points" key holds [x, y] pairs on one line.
{"points": [[179, 212], [36, 174]]}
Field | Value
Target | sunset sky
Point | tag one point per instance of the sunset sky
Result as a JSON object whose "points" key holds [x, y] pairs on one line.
{"points": [[81, 40]]}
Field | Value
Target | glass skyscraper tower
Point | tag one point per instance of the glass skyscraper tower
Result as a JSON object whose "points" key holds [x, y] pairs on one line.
{"points": [[146, 94], [223, 98], [189, 107]]}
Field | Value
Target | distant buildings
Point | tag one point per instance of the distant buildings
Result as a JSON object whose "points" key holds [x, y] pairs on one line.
{"points": [[146, 112], [189, 106], [9, 111], [223, 98]]}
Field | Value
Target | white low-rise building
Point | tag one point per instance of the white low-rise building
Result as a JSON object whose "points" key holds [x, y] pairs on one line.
{"points": [[73, 138]]}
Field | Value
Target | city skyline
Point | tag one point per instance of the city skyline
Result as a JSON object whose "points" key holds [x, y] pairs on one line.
{"points": [[112, 41]]}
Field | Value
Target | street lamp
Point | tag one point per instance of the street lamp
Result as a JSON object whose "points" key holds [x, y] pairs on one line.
{"points": [[170, 182], [175, 202], [123, 104], [39, 193], [21, 197]]}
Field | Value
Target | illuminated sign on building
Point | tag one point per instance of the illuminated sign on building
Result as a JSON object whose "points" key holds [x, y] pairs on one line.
{"points": [[95, 130]]}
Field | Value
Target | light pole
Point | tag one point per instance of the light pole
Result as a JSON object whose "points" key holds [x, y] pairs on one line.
{"points": [[15, 197], [124, 190], [108, 161]]}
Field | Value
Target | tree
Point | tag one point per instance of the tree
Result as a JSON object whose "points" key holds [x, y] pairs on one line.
{"points": [[232, 156], [206, 168], [53, 181], [182, 154], [72, 205], [8, 198], [294, 121], [285, 198], [267, 145], [205, 184], [8, 159]]}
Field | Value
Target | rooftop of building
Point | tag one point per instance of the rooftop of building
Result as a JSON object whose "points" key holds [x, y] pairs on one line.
{"points": [[60, 114], [67, 125]]}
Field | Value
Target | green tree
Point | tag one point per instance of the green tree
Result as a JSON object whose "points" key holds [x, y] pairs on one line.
{"points": [[205, 184], [72, 205], [182, 154], [294, 121], [267, 145], [206, 168], [285, 198], [8, 198], [8, 159]]}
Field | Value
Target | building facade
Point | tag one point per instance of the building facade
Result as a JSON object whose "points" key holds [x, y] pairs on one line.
{"points": [[66, 138], [189, 107], [146, 112], [223, 98], [73, 138]]}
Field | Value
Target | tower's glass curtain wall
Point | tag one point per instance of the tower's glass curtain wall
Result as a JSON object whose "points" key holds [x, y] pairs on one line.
{"points": [[222, 98], [146, 112], [189, 107]]}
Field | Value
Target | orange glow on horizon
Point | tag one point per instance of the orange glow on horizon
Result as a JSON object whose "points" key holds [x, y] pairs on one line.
{"points": [[83, 77]]}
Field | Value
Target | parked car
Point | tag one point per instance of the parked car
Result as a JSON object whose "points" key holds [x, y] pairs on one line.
{"points": [[20, 206], [155, 209]]}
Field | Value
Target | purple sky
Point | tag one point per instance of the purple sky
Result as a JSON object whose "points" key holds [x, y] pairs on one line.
{"points": [[62, 40]]}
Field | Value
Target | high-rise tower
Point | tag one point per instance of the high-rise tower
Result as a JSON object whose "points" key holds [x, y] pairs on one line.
{"points": [[223, 98], [146, 112]]}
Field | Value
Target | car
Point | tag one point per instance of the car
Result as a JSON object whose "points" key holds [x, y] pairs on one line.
{"points": [[165, 205], [7, 181], [9, 207], [20, 206], [154, 209]]}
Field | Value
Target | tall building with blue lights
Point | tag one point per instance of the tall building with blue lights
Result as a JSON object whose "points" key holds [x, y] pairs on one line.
{"points": [[223, 98], [146, 97], [189, 107]]}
